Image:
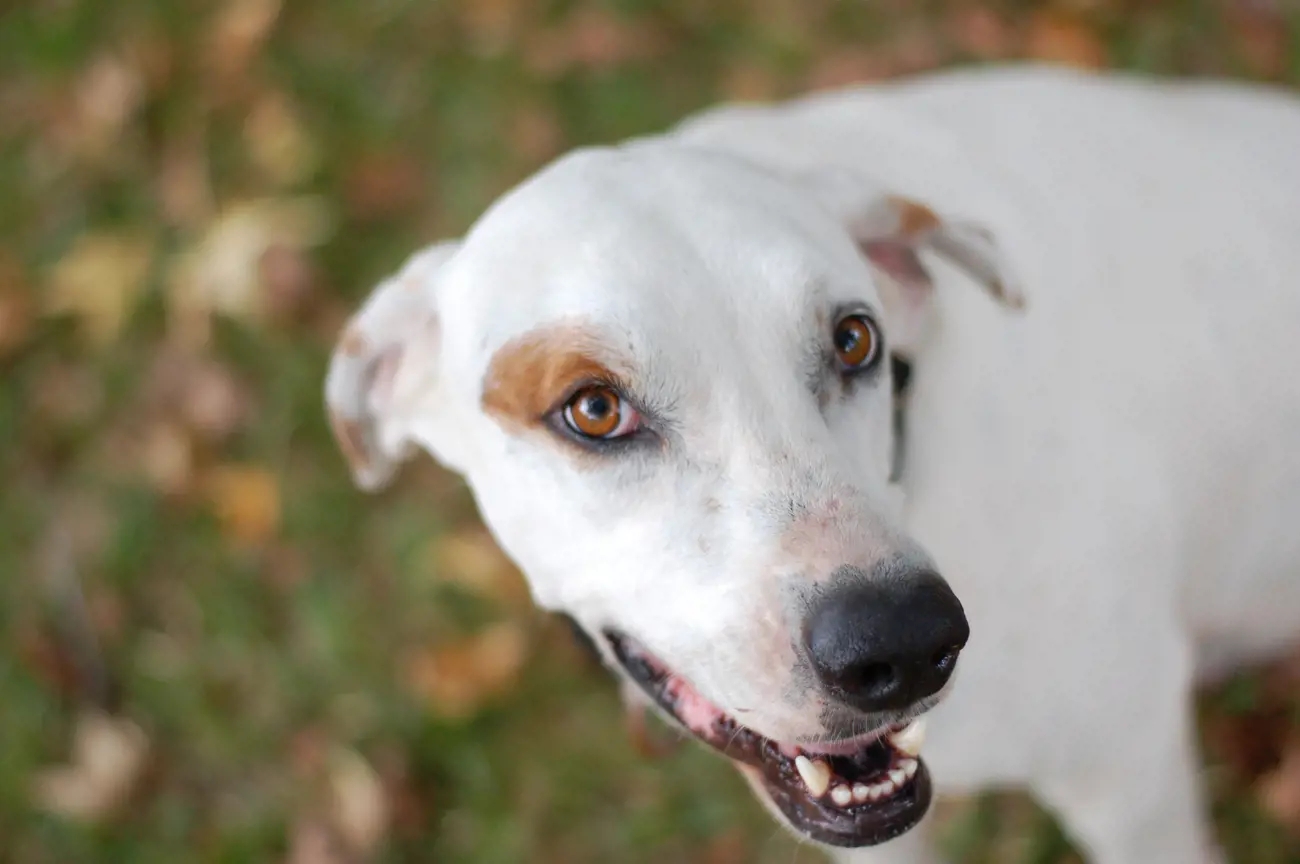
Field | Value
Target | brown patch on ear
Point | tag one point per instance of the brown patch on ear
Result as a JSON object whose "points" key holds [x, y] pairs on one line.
{"points": [[914, 218], [353, 344], [351, 440], [529, 375]]}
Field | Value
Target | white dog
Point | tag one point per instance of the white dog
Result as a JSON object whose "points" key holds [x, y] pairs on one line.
{"points": [[672, 372]]}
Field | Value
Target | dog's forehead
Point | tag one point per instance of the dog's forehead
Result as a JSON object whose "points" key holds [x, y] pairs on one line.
{"points": [[655, 243]]}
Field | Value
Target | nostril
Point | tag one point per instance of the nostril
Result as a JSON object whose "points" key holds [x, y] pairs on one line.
{"points": [[874, 678], [944, 660]]}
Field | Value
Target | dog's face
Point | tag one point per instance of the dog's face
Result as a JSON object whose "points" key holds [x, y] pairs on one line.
{"points": [[665, 376]]}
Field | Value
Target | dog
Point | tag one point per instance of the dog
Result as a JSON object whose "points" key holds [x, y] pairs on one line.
{"points": [[799, 409]]}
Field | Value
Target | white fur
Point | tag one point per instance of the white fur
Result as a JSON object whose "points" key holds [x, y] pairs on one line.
{"points": [[1109, 480]]}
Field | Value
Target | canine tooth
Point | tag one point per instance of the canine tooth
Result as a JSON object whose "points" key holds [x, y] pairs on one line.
{"points": [[910, 738], [842, 795], [897, 777], [909, 767], [861, 792], [816, 775]]}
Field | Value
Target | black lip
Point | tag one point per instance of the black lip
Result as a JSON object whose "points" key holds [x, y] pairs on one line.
{"points": [[861, 825]]}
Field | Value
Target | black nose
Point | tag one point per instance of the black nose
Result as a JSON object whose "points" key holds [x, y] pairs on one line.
{"points": [[883, 644]]}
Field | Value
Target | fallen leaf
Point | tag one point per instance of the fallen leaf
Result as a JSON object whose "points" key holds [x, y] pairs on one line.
{"points": [[536, 132], [457, 680], [1056, 37], [410, 804], [981, 33], [914, 48], [278, 143], [1279, 791], [99, 281], [108, 756], [728, 847], [749, 82], [360, 804], [66, 396], [167, 459], [246, 499], [183, 187], [288, 281], [1246, 744], [382, 184], [1262, 41], [15, 305], [590, 38], [48, 661], [472, 560], [223, 274], [238, 34], [490, 24], [312, 842], [212, 402], [849, 66], [105, 97]]}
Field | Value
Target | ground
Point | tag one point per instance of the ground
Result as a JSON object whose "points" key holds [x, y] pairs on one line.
{"points": [[213, 648]]}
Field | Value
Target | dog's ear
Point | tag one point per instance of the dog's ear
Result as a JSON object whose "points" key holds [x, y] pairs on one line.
{"points": [[892, 231], [384, 369]]}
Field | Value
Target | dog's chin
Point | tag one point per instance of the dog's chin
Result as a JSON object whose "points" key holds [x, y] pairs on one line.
{"points": [[849, 793]]}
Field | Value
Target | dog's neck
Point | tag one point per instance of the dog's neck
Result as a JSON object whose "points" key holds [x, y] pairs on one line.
{"points": [[901, 369]]}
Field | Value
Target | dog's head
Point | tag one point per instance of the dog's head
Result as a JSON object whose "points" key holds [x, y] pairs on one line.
{"points": [[664, 374]]}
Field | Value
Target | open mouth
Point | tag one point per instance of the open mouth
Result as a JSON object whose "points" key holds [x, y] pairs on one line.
{"points": [[857, 792]]}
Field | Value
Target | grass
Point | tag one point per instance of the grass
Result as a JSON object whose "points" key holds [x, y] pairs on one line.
{"points": [[181, 544]]}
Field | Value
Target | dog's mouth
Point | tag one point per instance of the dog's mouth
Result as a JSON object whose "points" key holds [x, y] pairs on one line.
{"points": [[857, 792]]}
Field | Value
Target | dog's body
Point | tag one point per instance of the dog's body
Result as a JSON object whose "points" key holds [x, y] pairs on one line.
{"points": [[1109, 479], [1110, 482]]}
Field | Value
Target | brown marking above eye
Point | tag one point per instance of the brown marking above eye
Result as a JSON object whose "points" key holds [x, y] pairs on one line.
{"points": [[530, 375], [857, 342]]}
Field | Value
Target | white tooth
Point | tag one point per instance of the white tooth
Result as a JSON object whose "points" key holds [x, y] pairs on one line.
{"points": [[881, 790], [842, 795], [898, 777], [861, 792], [910, 738], [909, 767], [816, 775]]}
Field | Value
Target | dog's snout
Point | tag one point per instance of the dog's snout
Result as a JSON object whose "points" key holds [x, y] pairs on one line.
{"points": [[882, 645]]}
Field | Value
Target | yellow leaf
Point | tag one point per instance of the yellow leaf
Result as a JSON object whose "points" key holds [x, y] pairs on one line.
{"points": [[247, 503], [167, 458], [360, 805], [108, 755], [222, 273], [106, 95], [472, 560], [277, 141], [99, 281], [459, 679]]}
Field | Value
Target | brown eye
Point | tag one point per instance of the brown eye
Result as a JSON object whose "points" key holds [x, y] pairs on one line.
{"points": [[857, 342], [599, 412]]}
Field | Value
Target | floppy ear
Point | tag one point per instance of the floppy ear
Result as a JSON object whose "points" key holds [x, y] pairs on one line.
{"points": [[384, 369], [892, 231]]}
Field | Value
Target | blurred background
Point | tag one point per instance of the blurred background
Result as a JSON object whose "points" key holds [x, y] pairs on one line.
{"points": [[212, 648]]}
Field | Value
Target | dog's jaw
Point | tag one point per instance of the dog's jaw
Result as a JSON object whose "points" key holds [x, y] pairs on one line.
{"points": [[847, 793]]}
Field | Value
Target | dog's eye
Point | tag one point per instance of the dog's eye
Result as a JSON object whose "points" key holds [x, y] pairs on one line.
{"points": [[857, 343], [599, 412]]}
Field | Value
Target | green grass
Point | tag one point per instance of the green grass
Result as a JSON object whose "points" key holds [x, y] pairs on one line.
{"points": [[251, 664]]}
